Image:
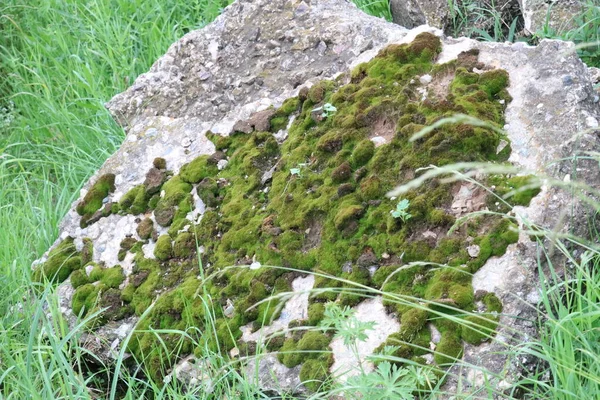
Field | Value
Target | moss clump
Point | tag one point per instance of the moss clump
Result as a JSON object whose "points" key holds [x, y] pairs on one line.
{"points": [[145, 228], [521, 189], [314, 373], [85, 299], [492, 303], [342, 173], [135, 201], [280, 120], [310, 347], [316, 313], [371, 188], [493, 81], [208, 191], [477, 329], [163, 249], [87, 252], [448, 349], [347, 215], [62, 260], [197, 170], [94, 198], [79, 278], [363, 152], [185, 245], [159, 163], [177, 197], [412, 322], [112, 277]]}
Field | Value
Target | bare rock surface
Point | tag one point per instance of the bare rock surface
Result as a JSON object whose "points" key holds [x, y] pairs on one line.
{"points": [[259, 53]]}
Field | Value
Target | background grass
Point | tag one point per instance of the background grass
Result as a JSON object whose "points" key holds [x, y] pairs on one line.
{"points": [[60, 60]]}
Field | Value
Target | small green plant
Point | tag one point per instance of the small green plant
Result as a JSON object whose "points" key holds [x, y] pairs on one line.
{"points": [[401, 210], [345, 323], [389, 381], [328, 110]]}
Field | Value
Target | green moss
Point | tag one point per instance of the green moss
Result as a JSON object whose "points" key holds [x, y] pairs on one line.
{"points": [[521, 189], [79, 278], [177, 191], [281, 117], [478, 329], [159, 163], [412, 322], [492, 303], [135, 201], [185, 245], [318, 91], [347, 215], [112, 277], [85, 299], [197, 170], [363, 152], [317, 202], [87, 252], [145, 228], [288, 354], [94, 198], [62, 260], [316, 313], [448, 349], [311, 343], [493, 81], [371, 188], [314, 373], [163, 249]]}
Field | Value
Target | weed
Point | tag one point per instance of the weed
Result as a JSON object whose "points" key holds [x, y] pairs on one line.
{"points": [[401, 210]]}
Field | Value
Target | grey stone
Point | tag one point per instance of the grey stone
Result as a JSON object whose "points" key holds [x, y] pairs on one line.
{"points": [[412, 13], [558, 15], [171, 102]]}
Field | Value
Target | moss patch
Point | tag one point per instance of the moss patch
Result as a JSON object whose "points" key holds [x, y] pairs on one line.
{"points": [[94, 198], [61, 262], [317, 203]]}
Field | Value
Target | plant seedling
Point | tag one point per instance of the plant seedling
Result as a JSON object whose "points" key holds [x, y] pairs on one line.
{"points": [[401, 210]]}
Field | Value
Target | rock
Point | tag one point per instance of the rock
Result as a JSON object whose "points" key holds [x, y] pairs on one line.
{"points": [[176, 100], [473, 250], [557, 15], [154, 180], [412, 13], [367, 259], [261, 121], [438, 13]]}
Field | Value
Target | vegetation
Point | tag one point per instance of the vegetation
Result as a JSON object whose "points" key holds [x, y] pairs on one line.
{"points": [[63, 59]]}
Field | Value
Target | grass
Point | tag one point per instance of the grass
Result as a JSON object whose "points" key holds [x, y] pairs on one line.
{"points": [[60, 61]]}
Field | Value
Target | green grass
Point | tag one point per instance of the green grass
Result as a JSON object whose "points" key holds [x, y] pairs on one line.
{"points": [[586, 32], [378, 8], [60, 60]]}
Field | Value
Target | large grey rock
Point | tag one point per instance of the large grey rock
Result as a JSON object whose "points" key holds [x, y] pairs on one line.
{"points": [[455, 18], [412, 13], [258, 53], [557, 15]]}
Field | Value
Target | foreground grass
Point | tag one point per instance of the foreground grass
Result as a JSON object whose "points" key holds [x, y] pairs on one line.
{"points": [[60, 61]]}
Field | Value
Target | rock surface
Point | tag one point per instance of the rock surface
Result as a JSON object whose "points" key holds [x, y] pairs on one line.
{"points": [[454, 17], [412, 13], [558, 15], [259, 53]]}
